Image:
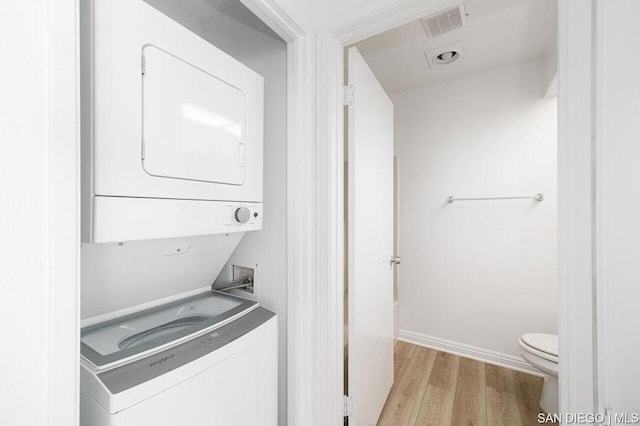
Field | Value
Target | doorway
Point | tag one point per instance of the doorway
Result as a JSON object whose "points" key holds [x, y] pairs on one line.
{"points": [[462, 234]]}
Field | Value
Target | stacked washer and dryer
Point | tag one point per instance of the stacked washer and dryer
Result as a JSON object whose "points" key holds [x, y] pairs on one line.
{"points": [[172, 147]]}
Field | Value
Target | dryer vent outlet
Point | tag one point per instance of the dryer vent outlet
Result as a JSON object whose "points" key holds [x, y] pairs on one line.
{"points": [[444, 21], [243, 274]]}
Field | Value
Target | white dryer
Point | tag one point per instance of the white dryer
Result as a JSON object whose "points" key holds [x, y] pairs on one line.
{"points": [[172, 129], [207, 360]]}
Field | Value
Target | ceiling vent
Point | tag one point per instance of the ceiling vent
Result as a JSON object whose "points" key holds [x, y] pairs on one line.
{"points": [[444, 21], [446, 54]]}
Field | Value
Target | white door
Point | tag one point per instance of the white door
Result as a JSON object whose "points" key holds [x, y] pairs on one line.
{"points": [[370, 243]]}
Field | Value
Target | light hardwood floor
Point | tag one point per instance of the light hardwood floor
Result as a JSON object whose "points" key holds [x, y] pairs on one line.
{"points": [[437, 388]]}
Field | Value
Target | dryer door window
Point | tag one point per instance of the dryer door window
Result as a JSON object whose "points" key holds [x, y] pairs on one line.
{"points": [[194, 125]]}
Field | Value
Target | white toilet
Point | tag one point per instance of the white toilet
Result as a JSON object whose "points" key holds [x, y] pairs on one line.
{"points": [[541, 351]]}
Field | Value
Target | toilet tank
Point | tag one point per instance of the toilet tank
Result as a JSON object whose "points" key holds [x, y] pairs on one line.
{"points": [[172, 129]]}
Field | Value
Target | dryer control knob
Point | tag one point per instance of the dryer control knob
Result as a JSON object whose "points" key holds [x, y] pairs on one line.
{"points": [[242, 214]]}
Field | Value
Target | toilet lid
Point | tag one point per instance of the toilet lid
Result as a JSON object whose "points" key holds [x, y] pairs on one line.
{"points": [[544, 345]]}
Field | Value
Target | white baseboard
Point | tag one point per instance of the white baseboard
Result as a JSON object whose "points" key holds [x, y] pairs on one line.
{"points": [[468, 351]]}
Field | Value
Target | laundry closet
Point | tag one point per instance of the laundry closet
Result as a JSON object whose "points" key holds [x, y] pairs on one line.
{"points": [[184, 140]]}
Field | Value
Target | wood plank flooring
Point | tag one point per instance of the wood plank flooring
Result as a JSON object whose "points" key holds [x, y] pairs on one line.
{"points": [[440, 389]]}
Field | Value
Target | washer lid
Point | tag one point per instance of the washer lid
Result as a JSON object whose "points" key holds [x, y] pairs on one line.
{"points": [[546, 343], [122, 340]]}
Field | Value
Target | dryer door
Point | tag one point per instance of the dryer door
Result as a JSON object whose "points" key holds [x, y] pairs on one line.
{"points": [[193, 123]]}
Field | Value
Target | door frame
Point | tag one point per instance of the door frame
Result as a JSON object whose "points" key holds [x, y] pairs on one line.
{"points": [[577, 186], [301, 277], [579, 189], [63, 230]]}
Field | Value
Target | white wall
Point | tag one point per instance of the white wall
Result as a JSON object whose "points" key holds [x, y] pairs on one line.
{"points": [[24, 214], [478, 273], [120, 275], [38, 214]]}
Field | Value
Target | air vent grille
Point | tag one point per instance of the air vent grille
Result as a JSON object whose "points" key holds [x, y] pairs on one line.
{"points": [[444, 21]]}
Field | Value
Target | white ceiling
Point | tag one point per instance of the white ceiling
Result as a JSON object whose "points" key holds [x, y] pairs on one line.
{"points": [[497, 33]]}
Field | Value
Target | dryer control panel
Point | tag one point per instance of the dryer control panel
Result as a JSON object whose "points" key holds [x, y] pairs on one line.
{"points": [[244, 215]]}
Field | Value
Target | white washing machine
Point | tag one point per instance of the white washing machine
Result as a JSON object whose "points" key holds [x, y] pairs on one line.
{"points": [[206, 360]]}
